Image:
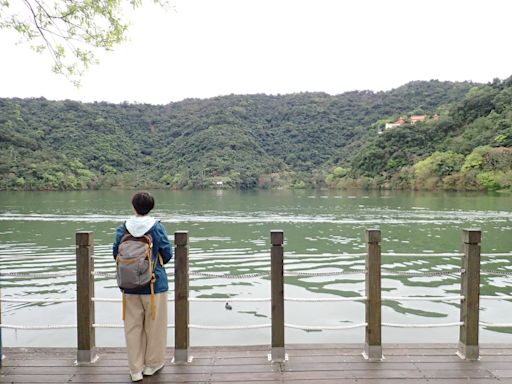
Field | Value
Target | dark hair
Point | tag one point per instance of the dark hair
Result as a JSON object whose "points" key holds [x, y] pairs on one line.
{"points": [[143, 203]]}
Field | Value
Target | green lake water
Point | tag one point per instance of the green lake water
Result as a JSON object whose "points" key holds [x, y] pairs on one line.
{"points": [[230, 234]]}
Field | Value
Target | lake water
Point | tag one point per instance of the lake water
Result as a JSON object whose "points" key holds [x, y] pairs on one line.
{"points": [[230, 234]]}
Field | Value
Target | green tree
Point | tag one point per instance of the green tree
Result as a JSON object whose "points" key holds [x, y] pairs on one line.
{"points": [[340, 171], [70, 31], [491, 179], [439, 164], [475, 159]]}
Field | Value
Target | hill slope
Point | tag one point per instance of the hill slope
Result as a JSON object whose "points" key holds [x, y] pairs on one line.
{"points": [[243, 141], [469, 147]]}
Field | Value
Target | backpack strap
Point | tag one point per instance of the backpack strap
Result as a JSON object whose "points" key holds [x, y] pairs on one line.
{"points": [[153, 305]]}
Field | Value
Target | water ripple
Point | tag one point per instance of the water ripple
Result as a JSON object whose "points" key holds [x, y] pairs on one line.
{"points": [[363, 216]]}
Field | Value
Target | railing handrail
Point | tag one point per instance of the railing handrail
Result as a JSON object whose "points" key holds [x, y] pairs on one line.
{"points": [[469, 323]]}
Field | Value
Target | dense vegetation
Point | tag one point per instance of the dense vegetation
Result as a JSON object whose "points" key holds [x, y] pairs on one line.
{"points": [[299, 140], [468, 148]]}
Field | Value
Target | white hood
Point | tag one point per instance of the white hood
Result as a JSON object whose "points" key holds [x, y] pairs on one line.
{"points": [[139, 225]]}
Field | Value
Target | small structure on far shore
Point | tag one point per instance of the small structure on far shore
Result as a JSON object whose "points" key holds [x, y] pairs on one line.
{"points": [[413, 119]]}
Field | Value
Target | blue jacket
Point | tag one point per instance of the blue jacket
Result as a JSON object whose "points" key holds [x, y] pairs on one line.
{"points": [[161, 244]]}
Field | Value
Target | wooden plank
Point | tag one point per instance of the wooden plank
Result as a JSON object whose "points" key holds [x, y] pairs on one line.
{"points": [[29, 362], [360, 381], [392, 381], [413, 364], [236, 369], [159, 378], [410, 350], [259, 382], [345, 366], [55, 378], [450, 373], [461, 364], [502, 373], [226, 377], [463, 381], [106, 370], [383, 373]]}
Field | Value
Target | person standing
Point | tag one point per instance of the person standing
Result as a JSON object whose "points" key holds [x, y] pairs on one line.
{"points": [[145, 308]]}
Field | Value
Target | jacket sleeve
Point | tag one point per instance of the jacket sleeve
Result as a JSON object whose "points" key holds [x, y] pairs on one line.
{"points": [[164, 245], [119, 235]]}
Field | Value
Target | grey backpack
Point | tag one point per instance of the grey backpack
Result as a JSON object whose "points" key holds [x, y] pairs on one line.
{"points": [[134, 265]]}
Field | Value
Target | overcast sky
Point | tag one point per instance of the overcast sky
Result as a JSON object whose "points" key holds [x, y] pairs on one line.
{"points": [[206, 48]]}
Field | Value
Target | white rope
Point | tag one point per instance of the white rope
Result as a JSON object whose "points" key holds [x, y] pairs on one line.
{"points": [[446, 254], [230, 299], [246, 327], [36, 275], [195, 299], [422, 298], [495, 297], [119, 325], [439, 325], [326, 327], [37, 327], [389, 272], [207, 256], [324, 299], [106, 300], [266, 299], [496, 325], [318, 274], [423, 254], [229, 328], [502, 273], [108, 325], [7, 300], [319, 255], [216, 256], [37, 257], [103, 274], [193, 274], [229, 276]]}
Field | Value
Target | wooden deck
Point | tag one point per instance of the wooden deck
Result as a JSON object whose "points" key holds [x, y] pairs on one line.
{"points": [[311, 363]]}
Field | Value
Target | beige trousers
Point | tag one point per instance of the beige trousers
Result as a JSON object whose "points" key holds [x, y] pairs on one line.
{"points": [[146, 339]]}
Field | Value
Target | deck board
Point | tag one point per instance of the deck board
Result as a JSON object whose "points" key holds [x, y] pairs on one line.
{"points": [[310, 363]]}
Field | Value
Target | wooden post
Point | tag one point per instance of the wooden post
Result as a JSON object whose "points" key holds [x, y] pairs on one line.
{"points": [[373, 343], [181, 306], [470, 290], [86, 350], [1, 351], [277, 286]]}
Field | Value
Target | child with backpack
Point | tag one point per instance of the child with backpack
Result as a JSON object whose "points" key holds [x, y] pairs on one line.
{"points": [[141, 249]]}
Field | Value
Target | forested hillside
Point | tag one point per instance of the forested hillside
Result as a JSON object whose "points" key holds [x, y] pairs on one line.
{"points": [[468, 148], [299, 140]]}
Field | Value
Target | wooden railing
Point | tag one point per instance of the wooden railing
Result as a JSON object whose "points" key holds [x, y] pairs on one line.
{"points": [[468, 347]]}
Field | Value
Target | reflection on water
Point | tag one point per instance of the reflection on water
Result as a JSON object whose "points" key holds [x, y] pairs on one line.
{"points": [[229, 234]]}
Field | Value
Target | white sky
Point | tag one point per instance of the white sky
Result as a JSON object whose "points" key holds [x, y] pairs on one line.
{"points": [[206, 48]]}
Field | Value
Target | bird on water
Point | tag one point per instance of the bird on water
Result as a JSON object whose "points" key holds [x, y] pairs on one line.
{"points": [[228, 307]]}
